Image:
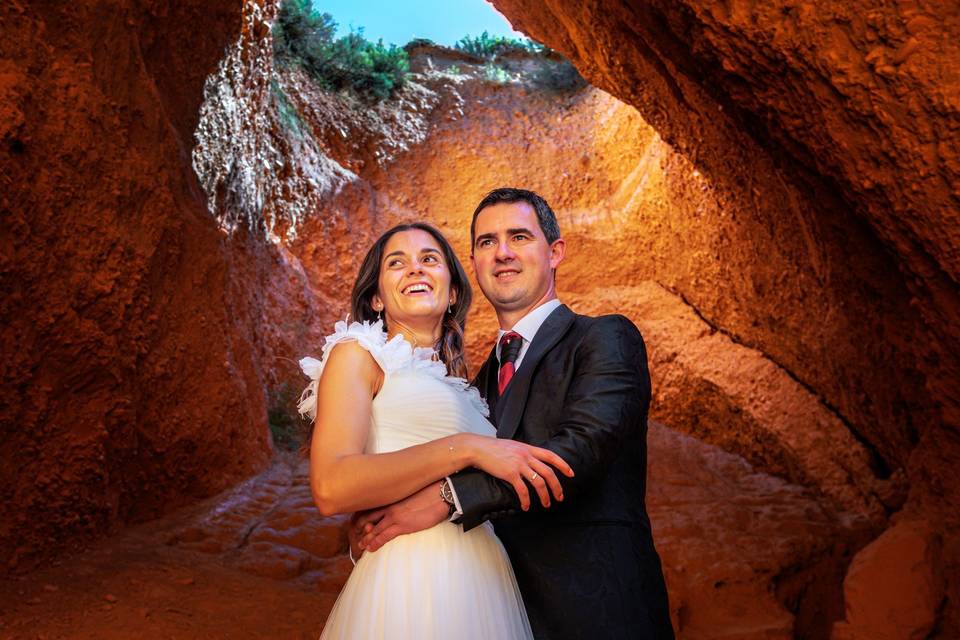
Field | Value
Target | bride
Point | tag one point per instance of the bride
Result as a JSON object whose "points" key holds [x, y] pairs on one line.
{"points": [[393, 414]]}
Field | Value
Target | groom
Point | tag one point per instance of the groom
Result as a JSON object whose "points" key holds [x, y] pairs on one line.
{"points": [[578, 386]]}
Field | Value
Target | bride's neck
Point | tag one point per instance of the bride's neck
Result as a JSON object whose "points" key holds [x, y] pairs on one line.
{"points": [[417, 336]]}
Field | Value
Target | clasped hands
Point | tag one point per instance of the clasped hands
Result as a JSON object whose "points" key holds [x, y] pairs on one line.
{"points": [[514, 462]]}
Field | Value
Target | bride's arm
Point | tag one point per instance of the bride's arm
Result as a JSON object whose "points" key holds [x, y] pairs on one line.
{"points": [[344, 479]]}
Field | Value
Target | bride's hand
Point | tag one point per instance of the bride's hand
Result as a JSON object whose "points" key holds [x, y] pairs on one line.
{"points": [[514, 462], [420, 511]]}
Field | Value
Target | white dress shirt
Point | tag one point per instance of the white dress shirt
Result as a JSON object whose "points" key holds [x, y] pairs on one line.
{"points": [[527, 327]]}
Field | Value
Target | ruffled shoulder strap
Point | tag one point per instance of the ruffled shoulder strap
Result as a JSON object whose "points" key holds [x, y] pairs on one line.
{"points": [[369, 336]]}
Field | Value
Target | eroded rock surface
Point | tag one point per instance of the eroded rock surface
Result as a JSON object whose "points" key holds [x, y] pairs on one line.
{"points": [[638, 218], [269, 526], [895, 587], [252, 562], [139, 342], [742, 550], [754, 128]]}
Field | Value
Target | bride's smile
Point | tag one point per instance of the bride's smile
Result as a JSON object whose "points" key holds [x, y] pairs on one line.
{"points": [[416, 288]]}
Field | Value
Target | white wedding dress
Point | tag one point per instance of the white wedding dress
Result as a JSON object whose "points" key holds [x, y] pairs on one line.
{"points": [[441, 582]]}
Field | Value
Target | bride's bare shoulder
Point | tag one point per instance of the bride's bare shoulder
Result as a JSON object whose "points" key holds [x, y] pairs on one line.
{"points": [[350, 361]]}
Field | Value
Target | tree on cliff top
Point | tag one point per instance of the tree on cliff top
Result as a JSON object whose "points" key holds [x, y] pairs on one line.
{"points": [[304, 36]]}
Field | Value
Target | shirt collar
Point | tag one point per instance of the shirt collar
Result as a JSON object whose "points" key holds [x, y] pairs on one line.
{"points": [[529, 324]]}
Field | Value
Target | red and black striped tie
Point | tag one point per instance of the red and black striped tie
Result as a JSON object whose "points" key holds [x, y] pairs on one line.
{"points": [[510, 345]]}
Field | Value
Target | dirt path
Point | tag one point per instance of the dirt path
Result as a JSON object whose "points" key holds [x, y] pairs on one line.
{"points": [[214, 570], [740, 549]]}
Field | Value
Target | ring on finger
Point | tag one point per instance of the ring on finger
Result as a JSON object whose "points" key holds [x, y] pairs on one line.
{"points": [[534, 476]]}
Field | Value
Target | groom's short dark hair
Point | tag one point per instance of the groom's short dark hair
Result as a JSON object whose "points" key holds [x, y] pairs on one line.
{"points": [[545, 215]]}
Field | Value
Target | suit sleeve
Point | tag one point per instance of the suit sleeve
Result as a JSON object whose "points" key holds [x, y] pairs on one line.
{"points": [[606, 403]]}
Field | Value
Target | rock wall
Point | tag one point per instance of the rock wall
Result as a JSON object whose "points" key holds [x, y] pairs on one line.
{"points": [[845, 115], [135, 368], [807, 113]]}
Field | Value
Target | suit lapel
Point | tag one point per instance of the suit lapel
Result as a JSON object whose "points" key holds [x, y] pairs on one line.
{"points": [[486, 381], [509, 407]]}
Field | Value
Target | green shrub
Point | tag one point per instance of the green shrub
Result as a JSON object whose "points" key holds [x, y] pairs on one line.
{"points": [[419, 42], [285, 426], [304, 36], [490, 47], [300, 30], [550, 70], [496, 74]]}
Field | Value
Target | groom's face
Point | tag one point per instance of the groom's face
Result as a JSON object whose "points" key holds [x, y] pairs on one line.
{"points": [[513, 261]]}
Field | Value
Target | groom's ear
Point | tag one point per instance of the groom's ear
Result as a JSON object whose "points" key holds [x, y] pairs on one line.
{"points": [[558, 250]]}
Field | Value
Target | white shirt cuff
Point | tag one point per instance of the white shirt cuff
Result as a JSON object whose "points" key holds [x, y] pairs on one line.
{"points": [[458, 510]]}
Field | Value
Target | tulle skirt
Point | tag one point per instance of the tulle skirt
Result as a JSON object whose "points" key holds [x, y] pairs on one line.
{"points": [[438, 583]]}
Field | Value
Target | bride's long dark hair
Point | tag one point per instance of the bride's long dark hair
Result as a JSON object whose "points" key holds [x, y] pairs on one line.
{"points": [[450, 344]]}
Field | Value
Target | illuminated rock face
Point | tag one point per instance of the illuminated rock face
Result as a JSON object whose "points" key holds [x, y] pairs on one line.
{"points": [[894, 588]]}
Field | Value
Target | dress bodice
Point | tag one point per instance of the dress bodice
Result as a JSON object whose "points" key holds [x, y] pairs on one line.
{"points": [[418, 401], [464, 575]]}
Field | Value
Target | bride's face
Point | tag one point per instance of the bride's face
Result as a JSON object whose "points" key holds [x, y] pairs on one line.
{"points": [[414, 285]]}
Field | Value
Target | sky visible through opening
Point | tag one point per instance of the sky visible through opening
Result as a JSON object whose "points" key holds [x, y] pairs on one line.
{"points": [[397, 22]]}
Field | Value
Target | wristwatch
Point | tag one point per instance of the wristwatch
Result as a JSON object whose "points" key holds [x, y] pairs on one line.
{"points": [[446, 494]]}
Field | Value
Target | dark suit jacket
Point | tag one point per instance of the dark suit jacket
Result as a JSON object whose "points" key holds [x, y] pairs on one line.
{"points": [[586, 567]]}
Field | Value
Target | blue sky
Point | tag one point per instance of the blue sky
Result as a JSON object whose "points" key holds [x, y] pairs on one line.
{"points": [[443, 21]]}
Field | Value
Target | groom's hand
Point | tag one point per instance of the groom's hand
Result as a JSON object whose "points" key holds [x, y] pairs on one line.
{"points": [[354, 533], [417, 512]]}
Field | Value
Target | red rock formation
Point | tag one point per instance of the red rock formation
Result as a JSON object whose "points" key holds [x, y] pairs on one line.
{"points": [[818, 91], [847, 116], [670, 76], [135, 366], [894, 588]]}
